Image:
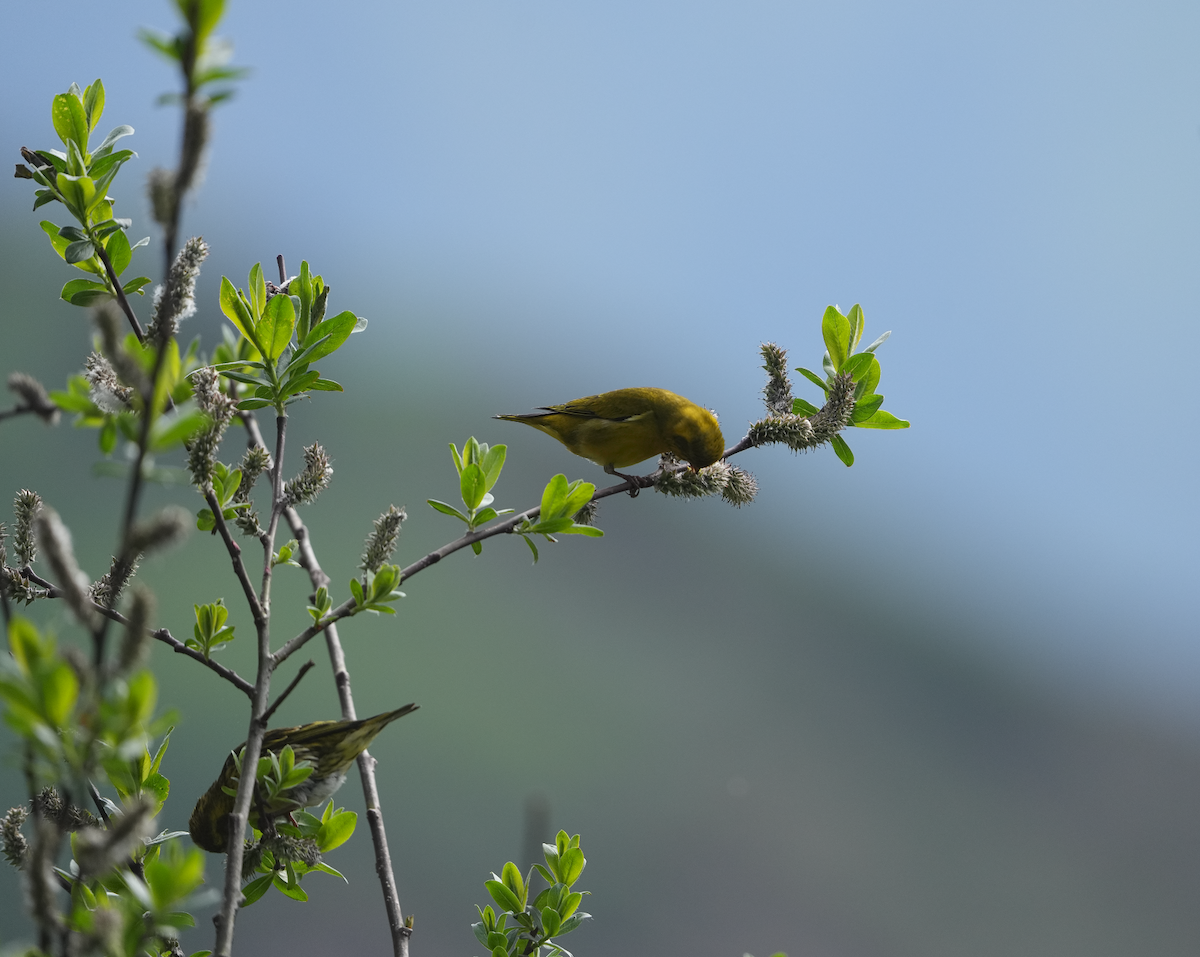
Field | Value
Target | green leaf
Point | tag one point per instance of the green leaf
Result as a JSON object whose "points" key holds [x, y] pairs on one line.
{"points": [[473, 485], [503, 896], [802, 407], [551, 921], [108, 436], [857, 322], [249, 405], [84, 292], [79, 252], [865, 408], [532, 547], [93, 104], [878, 342], [326, 385], [842, 450], [176, 428], [855, 366], [512, 879], [59, 689], [236, 312], [883, 420], [554, 497], [302, 286], [275, 328], [835, 328], [256, 888], [447, 509], [135, 285], [299, 382], [813, 378], [337, 329], [113, 135], [589, 531], [70, 121], [119, 251], [79, 191], [492, 463], [256, 289], [571, 864], [865, 385]]}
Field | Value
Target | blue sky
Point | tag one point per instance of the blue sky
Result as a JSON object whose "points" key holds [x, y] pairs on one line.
{"points": [[558, 198]]}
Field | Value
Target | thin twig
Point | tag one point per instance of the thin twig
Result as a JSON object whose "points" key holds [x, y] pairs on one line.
{"points": [[232, 896], [125, 307], [160, 634], [268, 540], [292, 645], [304, 669], [123, 565], [235, 555], [282, 269], [401, 930], [21, 410], [98, 801], [512, 522]]}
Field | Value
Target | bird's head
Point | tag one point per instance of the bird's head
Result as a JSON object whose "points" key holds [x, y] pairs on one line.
{"points": [[695, 436]]}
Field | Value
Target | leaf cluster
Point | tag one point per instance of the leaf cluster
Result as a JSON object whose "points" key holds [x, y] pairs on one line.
{"points": [[79, 177], [561, 503], [521, 926], [842, 334], [277, 867], [288, 333], [478, 467], [126, 888], [210, 631]]}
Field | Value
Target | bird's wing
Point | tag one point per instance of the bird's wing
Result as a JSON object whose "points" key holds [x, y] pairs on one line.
{"points": [[618, 406]]}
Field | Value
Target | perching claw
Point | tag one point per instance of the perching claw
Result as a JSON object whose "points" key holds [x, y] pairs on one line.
{"points": [[635, 481]]}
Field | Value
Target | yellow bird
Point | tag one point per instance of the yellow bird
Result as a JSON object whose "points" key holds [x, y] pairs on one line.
{"points": [[329, 746], [621, 428]]}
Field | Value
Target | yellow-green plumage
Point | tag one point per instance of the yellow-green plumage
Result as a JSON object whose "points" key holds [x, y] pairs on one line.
{"points": [[621, 428], [329, 746]]}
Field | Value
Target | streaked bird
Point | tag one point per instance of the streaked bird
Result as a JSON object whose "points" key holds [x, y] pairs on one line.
{"points": [[329, 746]]}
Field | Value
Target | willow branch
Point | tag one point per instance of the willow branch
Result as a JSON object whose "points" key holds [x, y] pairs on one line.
{"points": [[116, 283], [304, 669], [400, 929], [158, 634], [235, 555], [514, 521], [292, 645]]}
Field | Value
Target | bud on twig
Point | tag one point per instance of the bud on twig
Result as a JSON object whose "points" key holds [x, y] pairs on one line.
{"points": [[98, 850], [136, 641], [381, 543], [106, 590], [254, 462], [15, 845], [175, 301], [161, 530], [306, 486], [33, 397], [55, 541], [778, 391], [26, 507]]}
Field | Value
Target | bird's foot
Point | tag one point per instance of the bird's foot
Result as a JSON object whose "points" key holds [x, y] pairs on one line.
{"points": [[636, 482]]}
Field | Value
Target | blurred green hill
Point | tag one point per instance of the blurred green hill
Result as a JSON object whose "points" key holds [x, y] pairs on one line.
{"points": [[771, 755]]}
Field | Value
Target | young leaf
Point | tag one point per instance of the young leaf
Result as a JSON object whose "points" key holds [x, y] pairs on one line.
{"points": [[236, 312], [256, 288], [883, 420], [275, 328], [835, 328], [842, 450]]}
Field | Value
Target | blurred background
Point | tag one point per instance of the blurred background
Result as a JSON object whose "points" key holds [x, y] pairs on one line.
{"points": [[945, 702]]}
